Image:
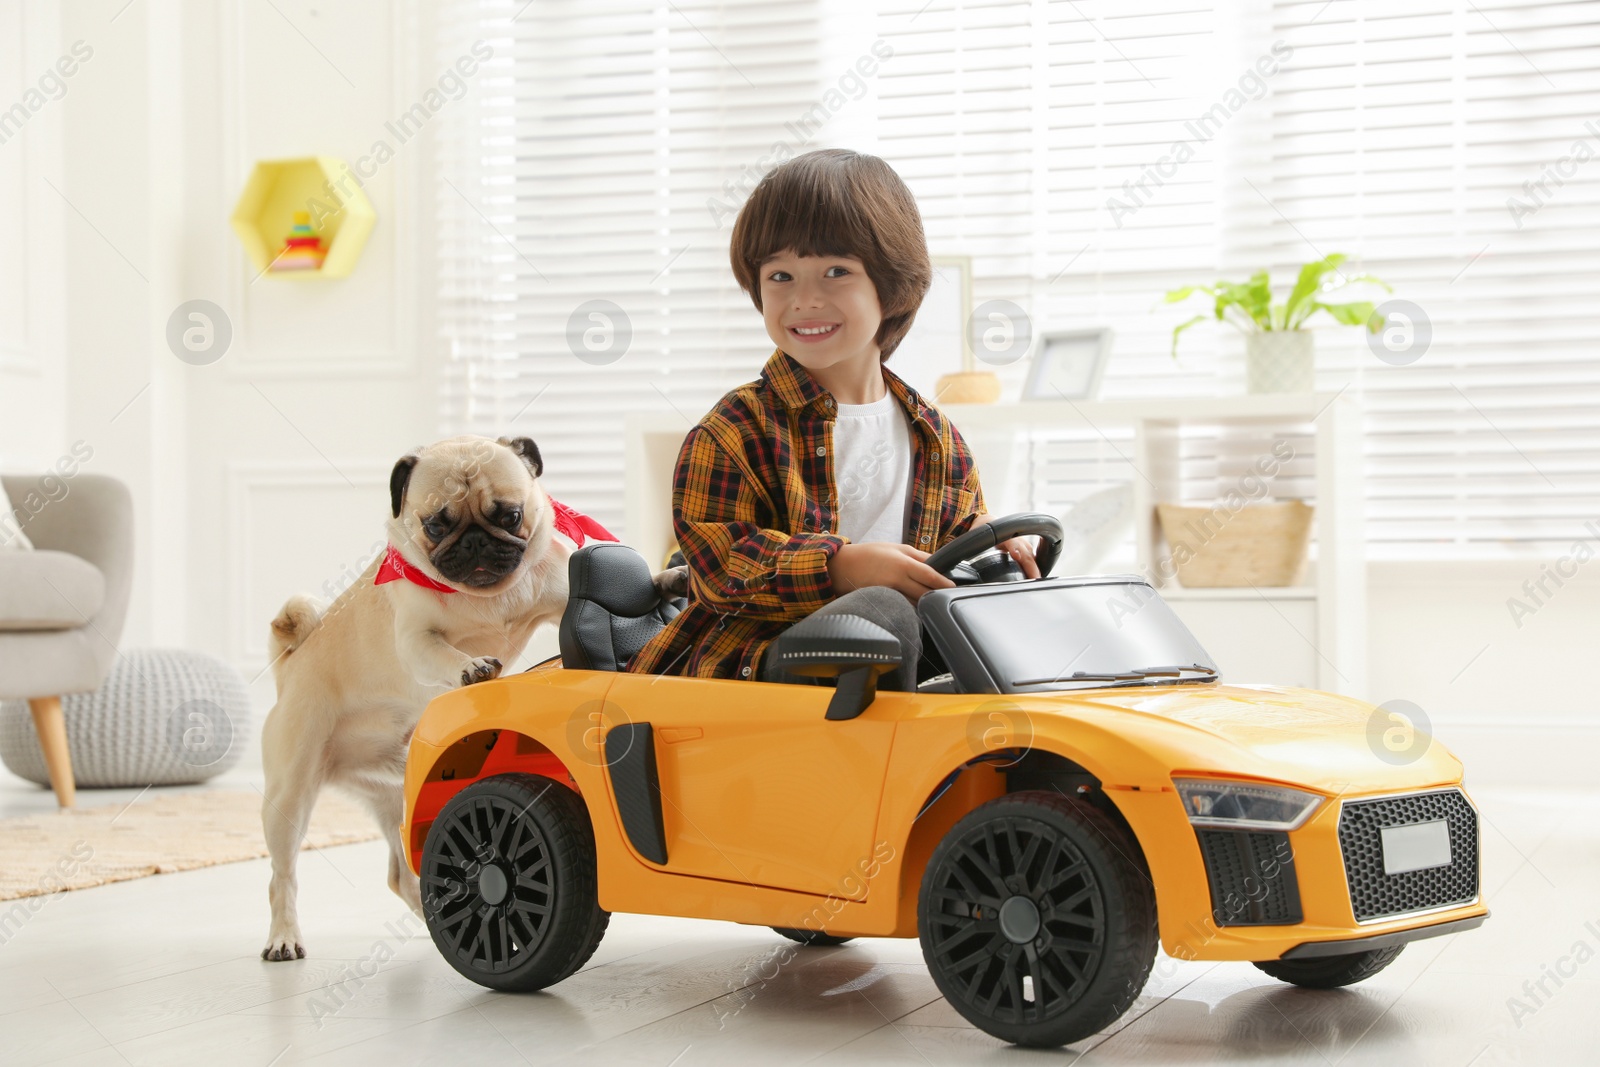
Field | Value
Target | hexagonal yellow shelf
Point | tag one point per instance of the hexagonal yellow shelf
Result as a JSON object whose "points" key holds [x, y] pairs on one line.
{"points": [[303, 218]]}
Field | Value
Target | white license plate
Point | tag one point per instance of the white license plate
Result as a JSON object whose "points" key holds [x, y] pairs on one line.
{"points": [[1415, 847]]}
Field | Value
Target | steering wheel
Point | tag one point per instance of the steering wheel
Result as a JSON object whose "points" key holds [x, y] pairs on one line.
{"points": [[983, 537]]}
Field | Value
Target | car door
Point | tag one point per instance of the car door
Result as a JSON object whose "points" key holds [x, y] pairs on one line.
{"points": [[756, 786]]}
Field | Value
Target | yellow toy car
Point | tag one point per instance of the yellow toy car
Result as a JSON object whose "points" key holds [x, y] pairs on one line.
{"points": [[1075, 785]]}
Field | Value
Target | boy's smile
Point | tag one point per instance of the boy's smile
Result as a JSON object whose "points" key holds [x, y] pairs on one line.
{"points": [[812, 332], [824, 312]]}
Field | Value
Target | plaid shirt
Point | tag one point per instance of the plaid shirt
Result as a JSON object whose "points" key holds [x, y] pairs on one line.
{"points": [[755, 510]]}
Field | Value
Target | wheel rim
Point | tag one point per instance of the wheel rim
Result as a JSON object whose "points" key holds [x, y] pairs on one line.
{"points": [[1016, 924], [487, 886]]}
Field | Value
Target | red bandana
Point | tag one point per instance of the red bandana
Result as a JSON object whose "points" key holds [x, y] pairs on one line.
{"points": [[572, 523], [394, 567], [575, 524]]}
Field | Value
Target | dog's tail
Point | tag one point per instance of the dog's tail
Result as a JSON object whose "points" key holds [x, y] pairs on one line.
{"points": [[293, 624]]}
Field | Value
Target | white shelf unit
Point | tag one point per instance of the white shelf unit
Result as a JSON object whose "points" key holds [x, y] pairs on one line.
{"points": [[1313, 634]]}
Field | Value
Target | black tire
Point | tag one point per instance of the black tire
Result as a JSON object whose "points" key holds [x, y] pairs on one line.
{"points": [[1084, 940], [509, 888], [1331, 972], [813, 938]]}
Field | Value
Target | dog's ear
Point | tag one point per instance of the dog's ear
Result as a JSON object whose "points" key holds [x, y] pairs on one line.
{"points": [[399, 478], [524, 447]]}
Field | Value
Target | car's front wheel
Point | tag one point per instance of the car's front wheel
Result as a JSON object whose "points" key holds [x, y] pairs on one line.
{"points": [[1038, 919], [509, 887], [1331, 972]]}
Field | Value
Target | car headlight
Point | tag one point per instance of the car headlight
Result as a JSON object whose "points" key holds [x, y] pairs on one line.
{"points": [[1244, 805]]}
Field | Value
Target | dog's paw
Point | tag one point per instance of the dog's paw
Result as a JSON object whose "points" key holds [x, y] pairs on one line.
{"points": [[284, 948], [481, 670], [408, 887], [672, 582]]}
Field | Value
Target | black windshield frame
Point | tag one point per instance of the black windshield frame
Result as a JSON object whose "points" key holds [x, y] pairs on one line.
{"points": [[1030, 637]]}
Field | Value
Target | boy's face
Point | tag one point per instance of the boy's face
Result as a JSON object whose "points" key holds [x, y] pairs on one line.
{"points": [[828, 293]]}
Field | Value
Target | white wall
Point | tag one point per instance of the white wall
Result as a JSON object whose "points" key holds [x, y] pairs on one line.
{"points": [[1515, 703], [1443, 637], [293, 432], [266, 472], [32, 319]]}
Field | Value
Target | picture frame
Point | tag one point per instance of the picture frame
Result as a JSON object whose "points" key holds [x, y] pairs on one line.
{"points": [[937, 343], [1068, 364]]}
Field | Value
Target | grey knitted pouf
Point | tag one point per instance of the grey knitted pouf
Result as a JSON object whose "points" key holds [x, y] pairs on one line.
{"points": [[164, 716]]}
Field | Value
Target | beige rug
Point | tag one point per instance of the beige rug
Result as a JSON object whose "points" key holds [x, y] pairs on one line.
{"points": [[82, 847]]}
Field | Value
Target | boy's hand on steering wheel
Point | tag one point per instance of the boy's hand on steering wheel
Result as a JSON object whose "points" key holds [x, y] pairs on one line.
{"points": [[1020, 549], [900, 567]]}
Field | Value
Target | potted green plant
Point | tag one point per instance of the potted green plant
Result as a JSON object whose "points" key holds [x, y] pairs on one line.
{"points": [[1278, 350]]}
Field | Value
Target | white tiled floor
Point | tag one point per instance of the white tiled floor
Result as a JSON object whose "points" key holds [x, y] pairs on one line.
{"points": [[165, 970]]}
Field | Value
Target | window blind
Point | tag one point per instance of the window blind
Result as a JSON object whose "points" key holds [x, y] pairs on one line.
{"points": [[585, 203], [1447, 141], [1088, 155], [1034, 136]]}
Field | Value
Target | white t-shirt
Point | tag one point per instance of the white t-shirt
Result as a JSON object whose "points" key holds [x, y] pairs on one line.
{"points": [[872, 470]]}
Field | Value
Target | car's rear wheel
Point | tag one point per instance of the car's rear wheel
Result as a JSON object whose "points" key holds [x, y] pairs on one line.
{"points": [[509, 888], [1331, 972], [814, 938], [1038, 919]]}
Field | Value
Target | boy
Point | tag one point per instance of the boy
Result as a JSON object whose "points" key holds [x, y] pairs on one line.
{"points": [[827, 483]]}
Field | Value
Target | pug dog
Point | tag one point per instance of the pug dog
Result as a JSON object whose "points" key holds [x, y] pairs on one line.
{"points": [[474, 565]]}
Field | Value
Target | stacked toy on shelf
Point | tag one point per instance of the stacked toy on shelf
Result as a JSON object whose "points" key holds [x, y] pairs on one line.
{"points": [[303, 250]]}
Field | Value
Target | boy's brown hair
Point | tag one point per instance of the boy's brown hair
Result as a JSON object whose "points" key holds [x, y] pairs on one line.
{"points": [[836, 202]]}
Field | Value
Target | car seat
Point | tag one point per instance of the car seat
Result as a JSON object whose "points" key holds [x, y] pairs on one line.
{"points": [[612, 608]]}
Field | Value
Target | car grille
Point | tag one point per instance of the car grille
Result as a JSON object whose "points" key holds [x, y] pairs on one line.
{"points": [[1252, 877], [1375, 895]]}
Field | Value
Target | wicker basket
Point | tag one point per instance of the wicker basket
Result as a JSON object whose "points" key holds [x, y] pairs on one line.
{"points": [[1259, 544]]}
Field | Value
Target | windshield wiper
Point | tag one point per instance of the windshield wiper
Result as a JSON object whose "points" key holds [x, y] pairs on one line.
{"points": [[1139, 674], [1178, 670]]}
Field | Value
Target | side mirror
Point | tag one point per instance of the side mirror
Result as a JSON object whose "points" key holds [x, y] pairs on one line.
{"points": [[847, 648]]}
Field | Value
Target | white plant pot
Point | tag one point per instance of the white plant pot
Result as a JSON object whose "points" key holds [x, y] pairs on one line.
{"points": [[1280, 361]]}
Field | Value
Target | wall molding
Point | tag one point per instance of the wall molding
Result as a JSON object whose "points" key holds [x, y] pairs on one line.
{"points": [[397, 361], [246, 640]]}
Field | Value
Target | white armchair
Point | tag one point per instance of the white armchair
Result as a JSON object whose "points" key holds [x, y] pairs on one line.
{"points": [[62, 605]]}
